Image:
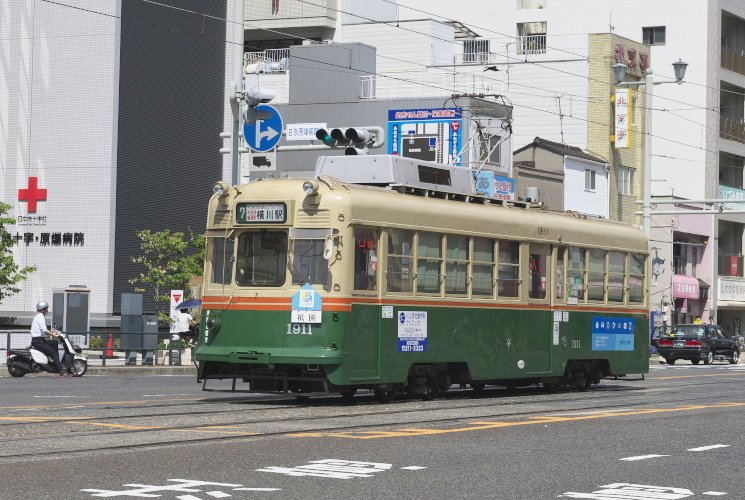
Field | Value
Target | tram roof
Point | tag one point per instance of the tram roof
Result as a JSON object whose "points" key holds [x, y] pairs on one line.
{"points": [[386, 207]]}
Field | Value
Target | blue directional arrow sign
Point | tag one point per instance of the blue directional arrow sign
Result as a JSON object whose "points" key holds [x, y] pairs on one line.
{"points": [[264, 134]]}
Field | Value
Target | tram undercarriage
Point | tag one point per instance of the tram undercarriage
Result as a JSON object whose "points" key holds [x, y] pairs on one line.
{"points": [[427, 381]]}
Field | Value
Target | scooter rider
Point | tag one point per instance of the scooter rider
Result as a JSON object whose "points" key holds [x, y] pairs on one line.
{"points": [[39, 332]]}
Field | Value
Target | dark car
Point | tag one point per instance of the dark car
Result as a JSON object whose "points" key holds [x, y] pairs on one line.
{"points": [[698, 342], [658, 333]]}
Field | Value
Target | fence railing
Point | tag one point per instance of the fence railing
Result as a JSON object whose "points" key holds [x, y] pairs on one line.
{"points": [[730, 265], [733, 61], [732, 130], [129, 347]]}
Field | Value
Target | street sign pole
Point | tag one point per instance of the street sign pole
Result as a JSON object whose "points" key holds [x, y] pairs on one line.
{"points": [[236, 86]]}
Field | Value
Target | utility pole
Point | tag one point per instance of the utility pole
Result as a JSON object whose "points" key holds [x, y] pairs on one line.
{"points": [[236, 87]]}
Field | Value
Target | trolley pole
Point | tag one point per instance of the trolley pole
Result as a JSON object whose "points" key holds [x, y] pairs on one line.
{"points": [[236, 86]]}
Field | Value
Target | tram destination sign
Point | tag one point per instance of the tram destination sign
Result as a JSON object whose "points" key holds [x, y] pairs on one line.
{"points": [[257, 213]]}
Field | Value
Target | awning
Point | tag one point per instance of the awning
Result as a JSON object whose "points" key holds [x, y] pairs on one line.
{"points": [[685, 287]]}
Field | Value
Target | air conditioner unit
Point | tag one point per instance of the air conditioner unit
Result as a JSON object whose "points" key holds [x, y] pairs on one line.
{"points": [[328, 42]]}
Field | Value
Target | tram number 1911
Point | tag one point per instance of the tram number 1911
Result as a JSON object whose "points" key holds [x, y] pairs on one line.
{"points": [[299, 329]]}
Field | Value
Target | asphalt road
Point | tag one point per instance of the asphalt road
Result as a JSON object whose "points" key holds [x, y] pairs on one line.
{"points": [[676, 434]]}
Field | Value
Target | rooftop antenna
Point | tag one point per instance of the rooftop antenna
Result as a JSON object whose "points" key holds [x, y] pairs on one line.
{"points": [[610, 23]]}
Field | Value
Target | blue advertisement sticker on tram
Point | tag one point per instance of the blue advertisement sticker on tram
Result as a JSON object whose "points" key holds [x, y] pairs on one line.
{"points": [[412, 331], [613, 334]]}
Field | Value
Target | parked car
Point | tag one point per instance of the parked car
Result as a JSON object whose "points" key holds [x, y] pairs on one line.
{"points": [[658, 333], [698, 342]]}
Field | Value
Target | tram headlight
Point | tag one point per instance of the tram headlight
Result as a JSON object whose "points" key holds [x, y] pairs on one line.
{"points": [[220, 188], [310, 187]]}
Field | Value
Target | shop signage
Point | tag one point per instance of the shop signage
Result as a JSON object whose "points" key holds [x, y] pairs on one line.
{"points": [[623, 118], [732, 289]]}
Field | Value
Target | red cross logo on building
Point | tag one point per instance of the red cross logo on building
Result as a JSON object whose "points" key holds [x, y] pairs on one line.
{"points": [[32, 194]]}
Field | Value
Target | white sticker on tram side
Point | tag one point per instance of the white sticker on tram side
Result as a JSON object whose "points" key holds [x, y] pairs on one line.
{"points": [[557, 315], [181, 486], [565, 316], [387, 312], [628, 491], [556, 333]]}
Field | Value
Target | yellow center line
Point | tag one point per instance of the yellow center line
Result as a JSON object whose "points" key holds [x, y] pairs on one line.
{"points": [[101, 403], [477, 426], [220, 432], [44, 419], [118, 426]]}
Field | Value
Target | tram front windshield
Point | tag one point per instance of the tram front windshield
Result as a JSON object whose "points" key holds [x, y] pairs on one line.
{"points": [[262, 258]]}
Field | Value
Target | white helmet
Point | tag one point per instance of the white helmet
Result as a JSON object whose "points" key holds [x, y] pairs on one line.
{"points": [[41, 306]]}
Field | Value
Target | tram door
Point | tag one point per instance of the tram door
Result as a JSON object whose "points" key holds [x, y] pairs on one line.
{"points": [[539, 293], [365, 320]]}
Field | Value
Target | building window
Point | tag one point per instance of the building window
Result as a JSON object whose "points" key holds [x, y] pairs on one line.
{"points": [[589, 180], [653, 36], [626, 179], [694, 260], [531, 38], [491, 149], [476, 51]]}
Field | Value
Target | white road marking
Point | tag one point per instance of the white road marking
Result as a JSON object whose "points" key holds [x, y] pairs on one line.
{"points": [[642, 457], [55, 396], [704, 448], [257, 489], [147, 490], [187, 497], [336, 469], [714, 493], [413, 467], [627, 491], [218, 494]]}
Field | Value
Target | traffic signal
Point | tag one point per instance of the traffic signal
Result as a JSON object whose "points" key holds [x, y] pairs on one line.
{"points": [[359, 137], [255, 97], [333, 137], [355, 139]]}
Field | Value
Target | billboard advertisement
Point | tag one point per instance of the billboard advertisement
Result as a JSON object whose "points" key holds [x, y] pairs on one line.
{"points": [[426, 134]]}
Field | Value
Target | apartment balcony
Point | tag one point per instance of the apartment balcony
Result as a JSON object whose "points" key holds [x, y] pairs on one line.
{"points": [[731, 130], [733, 61], [730, 265], [532, 48]]}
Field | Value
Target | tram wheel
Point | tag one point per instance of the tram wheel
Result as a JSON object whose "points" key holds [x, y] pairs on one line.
{"points": [[348, 396], [550, 388], [431, 393], [384, 396], [478, 386]]}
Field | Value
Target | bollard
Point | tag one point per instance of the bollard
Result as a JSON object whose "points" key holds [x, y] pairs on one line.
{"points": [[110, 347]]}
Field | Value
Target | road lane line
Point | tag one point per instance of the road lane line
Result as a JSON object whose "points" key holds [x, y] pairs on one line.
{"points": [[642, 457], [704, 448]]}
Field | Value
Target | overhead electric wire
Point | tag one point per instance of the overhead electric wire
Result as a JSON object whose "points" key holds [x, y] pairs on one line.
{"points": [[202, 35]]}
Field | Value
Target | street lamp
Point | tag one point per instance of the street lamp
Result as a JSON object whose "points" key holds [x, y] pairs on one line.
{"points": [[619, 71]]}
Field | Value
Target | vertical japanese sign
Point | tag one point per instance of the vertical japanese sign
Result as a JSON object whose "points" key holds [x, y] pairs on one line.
{"points": [[623, 118], [426, 134]]}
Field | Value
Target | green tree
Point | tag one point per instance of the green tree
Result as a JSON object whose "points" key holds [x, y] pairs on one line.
{"points": [[194, 264], [165, 265], [10, 273]]}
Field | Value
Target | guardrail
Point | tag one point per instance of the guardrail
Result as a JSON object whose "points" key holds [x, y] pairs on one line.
{"points": [[135, 343]]}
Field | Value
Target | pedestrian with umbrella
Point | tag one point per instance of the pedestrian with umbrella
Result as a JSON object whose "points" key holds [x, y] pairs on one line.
{"points": [[184, 320]]}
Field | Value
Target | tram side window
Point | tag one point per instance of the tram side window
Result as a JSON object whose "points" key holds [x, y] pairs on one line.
{"points": [[222, 260], [596, 276], [560, 254], [366, 259], [399, 274], [637, 265], [429, 263], [483, 267], [537, 271], [456, 265], [508, 277], [576, 273], [262, 258], [616, 276], [307, 258]]}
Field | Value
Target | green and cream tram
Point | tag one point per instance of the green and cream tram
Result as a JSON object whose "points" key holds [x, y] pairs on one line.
{"points": [[389, 274]]}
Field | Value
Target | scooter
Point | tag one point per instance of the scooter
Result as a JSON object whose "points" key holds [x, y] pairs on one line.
{"points": [[23, 361]]}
